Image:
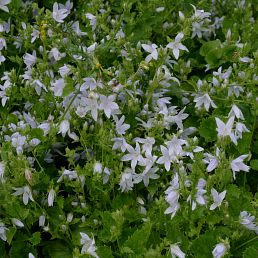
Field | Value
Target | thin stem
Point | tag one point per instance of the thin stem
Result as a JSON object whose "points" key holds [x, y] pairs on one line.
{"points": [[68, 107], [245, 243]]}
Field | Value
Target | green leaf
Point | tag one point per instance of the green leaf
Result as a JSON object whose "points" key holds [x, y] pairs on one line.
{"points": [[19, 249], [10, 234], [203, 246], [36, 238], [2, 248], [104, 251], [207, 129], [228, 52], [37, 133], [138, 240], [254, 164], [16, 4], [68, 89], [112, 225], [57, 249], [243, 145], [16, 59], [240, 198], [212, 52], [250, 252]]}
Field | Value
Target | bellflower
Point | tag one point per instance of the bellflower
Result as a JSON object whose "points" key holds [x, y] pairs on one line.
{"points": [[2, 169], [219, 250], [126, 181], [70, 174], [17, 222], [176, 45], [166, 158], [3, 4], [51, 197], [238, 165], [88, 245], [134, 156], [172, 196], [25, 192], [57, 87], [3, 230], [121, 128], [211, 160], [236, 112], [248, 221], [120, 143], [107, 104], [59, 14], [152, 49], [176, 251], [91, 104], [205, 101], [200, 195], [217, 198], [225, 129]]}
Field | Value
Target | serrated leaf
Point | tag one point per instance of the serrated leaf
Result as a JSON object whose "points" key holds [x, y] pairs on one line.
{"points": [[202, 246], [16, 59], [228, 52], [243, 145], [108, 222], [207, 129], [36, 238], [57, 249], [19, 249], [254, 164], [138, 240], [251, 252], [240, 200], [37, 133], [104, 251], [212, 52]]}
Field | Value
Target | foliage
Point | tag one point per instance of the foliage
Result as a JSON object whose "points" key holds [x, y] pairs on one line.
{"points": [[128, 128]]}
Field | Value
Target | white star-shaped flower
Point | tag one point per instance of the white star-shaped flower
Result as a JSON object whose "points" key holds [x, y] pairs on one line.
{"points": [[176, 251], [91, 104], [88, 245], [107, 104], [205, 101], [236, 112], [152, 49], [59, 14], [3, 230], [134, 156], [238, 165], [176, 45], [226, 129], [219, 250], [248, 221], [120, 126], [3, 4], [217, 198], [166, 158], [57, 87], [25, 192]]}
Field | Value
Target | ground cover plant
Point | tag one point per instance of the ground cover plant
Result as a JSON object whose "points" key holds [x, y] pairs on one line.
{"points": [[128, 128]]}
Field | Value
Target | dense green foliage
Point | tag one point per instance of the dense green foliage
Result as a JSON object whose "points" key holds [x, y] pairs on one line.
{"points": [[128, 128]]}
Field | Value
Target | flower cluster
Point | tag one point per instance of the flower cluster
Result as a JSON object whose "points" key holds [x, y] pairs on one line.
{"points": [[129, 120]]}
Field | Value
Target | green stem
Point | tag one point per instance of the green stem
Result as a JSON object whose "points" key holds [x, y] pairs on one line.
{"points": [[68, 107], [245, 243]]}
